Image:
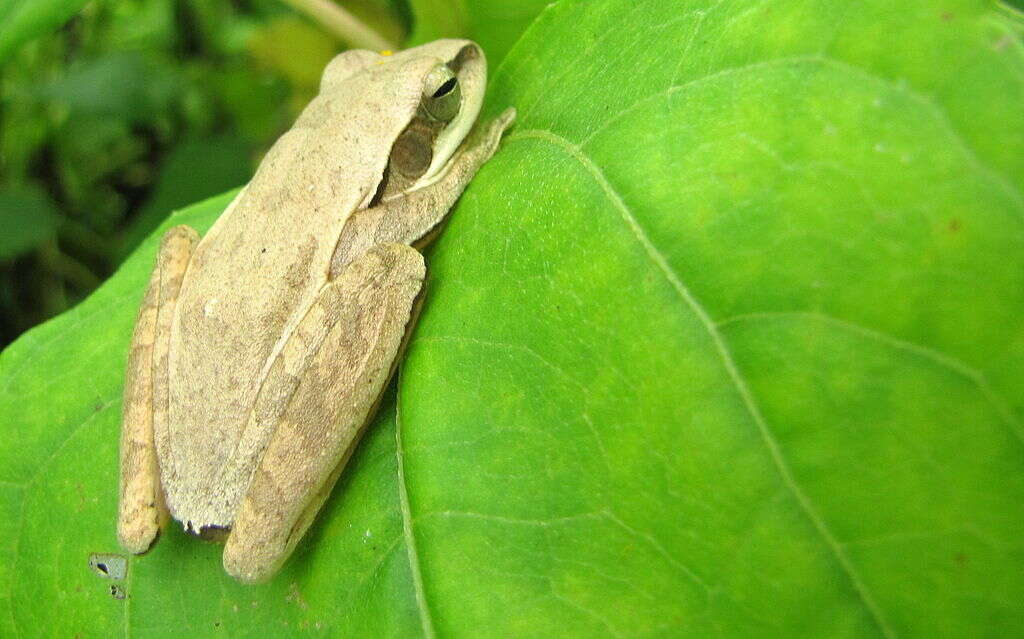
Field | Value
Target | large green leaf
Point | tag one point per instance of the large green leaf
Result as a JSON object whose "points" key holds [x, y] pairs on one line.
{"points": [[726, 339], [22, 20], [494, 24]]}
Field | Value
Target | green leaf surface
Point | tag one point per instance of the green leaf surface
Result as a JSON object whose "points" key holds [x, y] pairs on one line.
{"points": [[23, 20], [494, 24], [726, 339]]}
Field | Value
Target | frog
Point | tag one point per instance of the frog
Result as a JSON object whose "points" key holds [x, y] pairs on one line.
{"points": [[261, 350]]}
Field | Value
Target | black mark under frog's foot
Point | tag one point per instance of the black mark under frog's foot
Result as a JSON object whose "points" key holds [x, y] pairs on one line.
{"points": [[210, 532]]}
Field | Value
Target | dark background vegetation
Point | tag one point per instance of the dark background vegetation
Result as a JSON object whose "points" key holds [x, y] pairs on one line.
{"points": [[135, 108]]}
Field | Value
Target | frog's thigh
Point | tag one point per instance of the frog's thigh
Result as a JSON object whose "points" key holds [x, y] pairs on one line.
{"points": [[369, 308], [141, 510]]}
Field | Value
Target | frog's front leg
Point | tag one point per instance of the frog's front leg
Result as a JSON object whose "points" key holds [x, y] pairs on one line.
{"points": [[347, 345], [141, 509]]}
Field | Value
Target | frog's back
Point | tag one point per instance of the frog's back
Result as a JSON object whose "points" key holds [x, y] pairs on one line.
{"points": [[249, 282]]}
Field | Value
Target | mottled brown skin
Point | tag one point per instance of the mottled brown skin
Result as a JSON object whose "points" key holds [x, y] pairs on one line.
{"points": [[262, 349]]}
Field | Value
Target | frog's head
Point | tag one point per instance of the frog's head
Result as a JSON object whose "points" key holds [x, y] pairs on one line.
{"points": [[451, 98], [430, 97]]}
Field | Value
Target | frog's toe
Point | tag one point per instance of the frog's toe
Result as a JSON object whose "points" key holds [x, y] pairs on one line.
{"points": [[138, 536]]}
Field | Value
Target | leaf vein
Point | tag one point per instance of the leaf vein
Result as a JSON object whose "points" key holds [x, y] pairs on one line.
{"points": [[742, 389], [926, 101], [415, 569], [958, 366]]}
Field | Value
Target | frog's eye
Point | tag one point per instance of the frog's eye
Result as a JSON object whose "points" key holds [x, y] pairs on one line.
{"points": [[442, 96]]}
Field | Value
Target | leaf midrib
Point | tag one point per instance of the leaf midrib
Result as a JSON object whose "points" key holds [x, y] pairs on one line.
{"points": [[775, 452], [415, 567]]}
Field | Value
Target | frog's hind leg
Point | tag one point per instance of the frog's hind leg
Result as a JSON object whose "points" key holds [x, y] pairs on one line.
{"points": [[141, 508], [359, 322]]}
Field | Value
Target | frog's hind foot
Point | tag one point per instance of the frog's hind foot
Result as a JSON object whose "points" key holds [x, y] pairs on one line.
{"points": [[142, 511]]}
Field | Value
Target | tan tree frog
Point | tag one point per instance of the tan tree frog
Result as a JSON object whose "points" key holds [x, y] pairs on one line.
{"points": [[262, 349]]}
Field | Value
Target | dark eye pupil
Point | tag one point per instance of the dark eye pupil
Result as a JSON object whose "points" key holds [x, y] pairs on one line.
{"points": [[445, 88]]}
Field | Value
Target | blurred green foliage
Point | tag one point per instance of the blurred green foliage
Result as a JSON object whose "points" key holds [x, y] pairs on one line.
{"points": [[130, 110]]}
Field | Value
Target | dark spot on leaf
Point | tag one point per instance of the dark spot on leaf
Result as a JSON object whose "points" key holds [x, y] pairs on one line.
{"points": [[102, 568], [947, 16], [954, 225]]}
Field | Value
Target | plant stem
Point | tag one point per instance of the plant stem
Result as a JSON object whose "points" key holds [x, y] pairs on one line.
{"points": [[342, 24]]}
